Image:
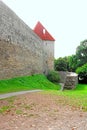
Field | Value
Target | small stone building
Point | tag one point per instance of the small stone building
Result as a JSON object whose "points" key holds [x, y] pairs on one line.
{"points": [[23, 51]]}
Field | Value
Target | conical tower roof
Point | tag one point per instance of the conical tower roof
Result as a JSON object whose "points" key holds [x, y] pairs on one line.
{"points": [[41, 31]]}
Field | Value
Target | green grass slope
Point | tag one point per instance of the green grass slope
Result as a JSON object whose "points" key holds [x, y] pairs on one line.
{"points": [[75, 98], [26, 83]]}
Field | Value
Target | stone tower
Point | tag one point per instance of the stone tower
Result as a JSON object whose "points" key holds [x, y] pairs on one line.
{"points": [[22, 51], [48, 46]]}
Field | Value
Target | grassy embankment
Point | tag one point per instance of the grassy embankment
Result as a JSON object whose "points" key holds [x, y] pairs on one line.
{"points": [[26, 83], [75, 98]]}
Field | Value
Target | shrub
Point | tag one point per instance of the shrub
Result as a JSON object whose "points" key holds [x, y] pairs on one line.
{"points": [[82, 72], [53, 76]]}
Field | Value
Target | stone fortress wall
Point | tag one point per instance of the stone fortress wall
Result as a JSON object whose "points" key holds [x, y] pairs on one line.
{"points": [[22, 52]]}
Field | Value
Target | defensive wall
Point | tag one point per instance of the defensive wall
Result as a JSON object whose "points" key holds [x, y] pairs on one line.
{"points": [[22, 52]]}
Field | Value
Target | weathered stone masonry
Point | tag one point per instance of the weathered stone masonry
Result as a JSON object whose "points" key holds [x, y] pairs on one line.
{"points": [[22, 52]]}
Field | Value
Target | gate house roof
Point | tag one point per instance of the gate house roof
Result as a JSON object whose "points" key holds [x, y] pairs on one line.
{"points": [[42, 32]]}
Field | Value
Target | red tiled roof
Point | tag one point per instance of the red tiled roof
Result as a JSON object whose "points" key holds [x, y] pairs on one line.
{"points": [[42, 32]]}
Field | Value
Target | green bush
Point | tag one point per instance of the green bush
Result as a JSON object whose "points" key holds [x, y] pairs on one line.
{"points": [[53, 76], [82, 72]]}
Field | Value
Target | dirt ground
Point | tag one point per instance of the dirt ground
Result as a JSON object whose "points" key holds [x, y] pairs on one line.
{"points": [[38, 111]]}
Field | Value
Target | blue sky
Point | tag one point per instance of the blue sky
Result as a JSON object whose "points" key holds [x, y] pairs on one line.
{"points": [[66, 20]]}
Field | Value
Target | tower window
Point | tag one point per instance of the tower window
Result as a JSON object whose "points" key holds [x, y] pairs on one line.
{"points": [[44, 31]]}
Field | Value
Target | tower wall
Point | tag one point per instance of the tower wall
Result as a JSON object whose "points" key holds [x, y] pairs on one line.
{"points": [[48, 56]]}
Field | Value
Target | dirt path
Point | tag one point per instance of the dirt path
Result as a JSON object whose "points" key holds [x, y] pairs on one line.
{"points": [[38, 111]]}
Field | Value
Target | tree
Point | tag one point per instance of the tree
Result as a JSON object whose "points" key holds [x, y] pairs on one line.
{"points": [[72, 61], [81, 53], [61, 64]]}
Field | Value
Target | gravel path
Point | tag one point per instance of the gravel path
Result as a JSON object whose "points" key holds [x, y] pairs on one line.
{"points": [[39, 111], [2, 96]]}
